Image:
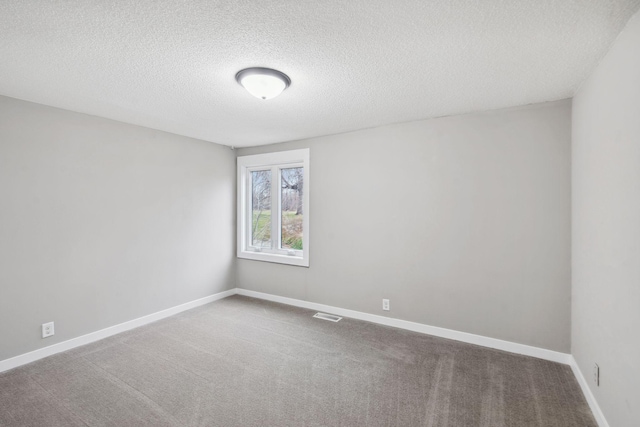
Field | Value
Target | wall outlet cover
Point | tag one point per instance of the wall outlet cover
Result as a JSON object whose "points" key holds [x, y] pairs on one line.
{"points": [[47, 330]]}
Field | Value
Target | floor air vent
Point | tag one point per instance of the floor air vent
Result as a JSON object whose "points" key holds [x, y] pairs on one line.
{"points": [[325, 316]]}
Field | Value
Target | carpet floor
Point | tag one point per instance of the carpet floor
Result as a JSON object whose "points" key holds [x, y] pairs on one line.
{"points": [[246, 362]]}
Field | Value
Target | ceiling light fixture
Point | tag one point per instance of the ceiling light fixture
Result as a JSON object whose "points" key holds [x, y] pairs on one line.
{"points": [[263, 83]]}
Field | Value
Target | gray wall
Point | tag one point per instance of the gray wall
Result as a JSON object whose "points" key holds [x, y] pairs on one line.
{"points": [[606, 229], [103, 222], [462, 222]]}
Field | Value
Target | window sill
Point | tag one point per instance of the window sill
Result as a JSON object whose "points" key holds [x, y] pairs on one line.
{"points": [[275, 258]]}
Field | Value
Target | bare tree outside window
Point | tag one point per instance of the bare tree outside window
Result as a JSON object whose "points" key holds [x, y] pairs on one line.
{"points": [[261, 208], [291, 205]]}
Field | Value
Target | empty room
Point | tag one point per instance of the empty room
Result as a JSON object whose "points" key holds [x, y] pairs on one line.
{"points": [[320, 213]]}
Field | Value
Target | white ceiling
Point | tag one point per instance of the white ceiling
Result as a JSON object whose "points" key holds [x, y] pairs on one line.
{"points": [[354, 64]]}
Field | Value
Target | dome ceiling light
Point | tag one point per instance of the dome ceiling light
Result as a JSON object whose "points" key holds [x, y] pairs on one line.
{"points": [[263, 83]]}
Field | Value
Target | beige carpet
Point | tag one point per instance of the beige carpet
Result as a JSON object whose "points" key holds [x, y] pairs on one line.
{"points": [[245, 362]]}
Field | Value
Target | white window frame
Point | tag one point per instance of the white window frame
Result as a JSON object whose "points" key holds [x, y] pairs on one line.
{"points": [[274, 162]]}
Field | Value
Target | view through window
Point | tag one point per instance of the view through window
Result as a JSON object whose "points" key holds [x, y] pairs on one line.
{"points": [[292, 180]]}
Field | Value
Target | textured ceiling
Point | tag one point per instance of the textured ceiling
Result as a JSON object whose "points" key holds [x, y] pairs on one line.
{"points": [[170, 65]]}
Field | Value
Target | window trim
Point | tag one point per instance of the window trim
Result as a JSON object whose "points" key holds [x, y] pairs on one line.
{"points": [[274, 162]]}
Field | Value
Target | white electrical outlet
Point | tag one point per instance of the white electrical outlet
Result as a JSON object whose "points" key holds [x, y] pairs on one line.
{"points": [[596, 374], [47, 330], [385, 304]]}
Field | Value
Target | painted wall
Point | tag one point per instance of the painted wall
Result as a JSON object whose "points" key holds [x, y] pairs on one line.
{"points": [[462, 222], [606, 229], [103, 222]]}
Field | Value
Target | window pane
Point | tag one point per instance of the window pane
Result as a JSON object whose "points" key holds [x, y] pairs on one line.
{"points": [[291, 199], [261, 209]]}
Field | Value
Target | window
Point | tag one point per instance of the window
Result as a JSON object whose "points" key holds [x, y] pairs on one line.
{"points": [[273, 207]]}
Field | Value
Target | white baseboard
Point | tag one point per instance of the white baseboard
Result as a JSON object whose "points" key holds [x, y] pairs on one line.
{"points": [[483, 341], [511, 347], [591, 399], [32, 356], [480, 340]]}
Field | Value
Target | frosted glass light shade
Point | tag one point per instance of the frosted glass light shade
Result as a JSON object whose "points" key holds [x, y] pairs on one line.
{"points": [[263, 83]]}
